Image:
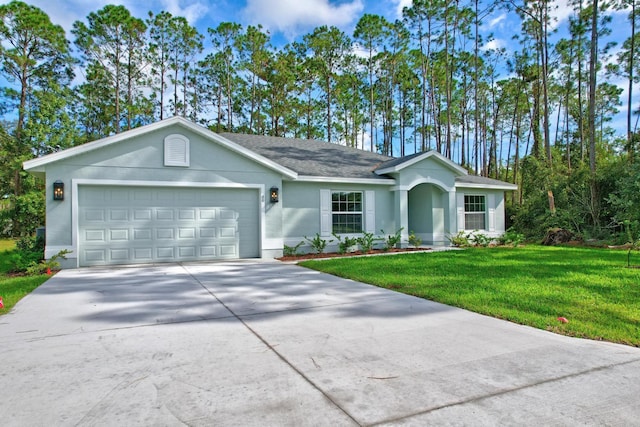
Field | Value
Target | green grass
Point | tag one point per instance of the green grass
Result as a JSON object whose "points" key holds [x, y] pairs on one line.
{"points": [[532, 285], [14, 288]]}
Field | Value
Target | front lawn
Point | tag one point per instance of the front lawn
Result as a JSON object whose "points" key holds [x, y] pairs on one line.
{"points": [[14, 288], [533, 285]]}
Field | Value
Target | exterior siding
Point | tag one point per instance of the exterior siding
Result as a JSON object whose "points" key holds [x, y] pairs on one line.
{"points": [[142, 159], [301, 209]]}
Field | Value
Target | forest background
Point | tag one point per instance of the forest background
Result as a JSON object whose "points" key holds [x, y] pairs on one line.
{"points": [[544, 114]]}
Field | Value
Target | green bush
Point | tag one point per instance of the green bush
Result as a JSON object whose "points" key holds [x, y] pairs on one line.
{"points": [[29, 251], [392, 240], [460, 240], [414, 240], [291, 250], [318, 244], [480, 239], [511, 238], [345, 243], [366, 241]]}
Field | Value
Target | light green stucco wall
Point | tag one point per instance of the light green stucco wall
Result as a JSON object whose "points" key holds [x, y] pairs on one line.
{"points": [[142, 159], [301, 208]]}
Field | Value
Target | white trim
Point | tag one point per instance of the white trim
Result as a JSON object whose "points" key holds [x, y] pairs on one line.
{"points": [[370, 211], [325, 212], [75, 183], [339, 180], [448, 163], [423, 180], [505, 186], [491, 211], [173, 141], [37, 165]]}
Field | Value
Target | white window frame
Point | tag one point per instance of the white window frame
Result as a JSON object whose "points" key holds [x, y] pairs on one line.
{"points": [[360, 212], [484, 212]]}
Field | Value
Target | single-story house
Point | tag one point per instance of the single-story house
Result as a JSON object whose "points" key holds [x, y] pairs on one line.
{"points": [[175, 191]]}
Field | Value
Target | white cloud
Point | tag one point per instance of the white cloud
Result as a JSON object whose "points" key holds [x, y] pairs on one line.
{"points": [[494, 44], [294, 16], [401, 4], [560, 13], [192, 12], [497, 20]]}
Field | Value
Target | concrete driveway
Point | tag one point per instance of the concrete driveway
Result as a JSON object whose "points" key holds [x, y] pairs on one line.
{"points": [[265, 343]]}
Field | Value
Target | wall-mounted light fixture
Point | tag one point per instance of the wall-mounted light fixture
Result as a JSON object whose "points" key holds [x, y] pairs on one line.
{"points": [[274, 194], [58, 190]]}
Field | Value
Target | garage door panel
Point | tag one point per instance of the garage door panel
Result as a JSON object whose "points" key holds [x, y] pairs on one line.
{"points": [[158, 225], [121, 234], [94, 235], [142, 214], [120, 255], [142, 234], [143, 254], [94, 215]]}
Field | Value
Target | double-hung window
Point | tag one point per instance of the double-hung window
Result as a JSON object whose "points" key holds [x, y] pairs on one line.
{"points": [[346, 212], [474, 212]]}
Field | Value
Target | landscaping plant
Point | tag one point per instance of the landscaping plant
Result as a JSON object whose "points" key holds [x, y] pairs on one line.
{"points": [[318, 244]]}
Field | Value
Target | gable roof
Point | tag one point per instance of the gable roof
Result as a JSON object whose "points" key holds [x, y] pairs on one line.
{"points": [[397, 164], [312, 157], [38, 164]]}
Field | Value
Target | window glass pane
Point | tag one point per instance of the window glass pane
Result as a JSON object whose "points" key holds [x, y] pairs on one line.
{"points": [[474, 209], [347, 212]]}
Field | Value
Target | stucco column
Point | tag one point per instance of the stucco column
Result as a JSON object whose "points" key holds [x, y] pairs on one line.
{"points": [[452, 227], [402, 215]]}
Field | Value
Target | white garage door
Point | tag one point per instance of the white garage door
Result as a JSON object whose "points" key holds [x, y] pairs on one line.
{"points": [[131, 225]]}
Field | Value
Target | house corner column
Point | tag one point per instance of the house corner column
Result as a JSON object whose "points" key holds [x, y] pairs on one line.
{"points": [[453, 214], [402, 216]]}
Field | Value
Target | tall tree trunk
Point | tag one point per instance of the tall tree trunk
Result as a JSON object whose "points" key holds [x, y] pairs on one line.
{"points": [[630, 148], [592, 113]]}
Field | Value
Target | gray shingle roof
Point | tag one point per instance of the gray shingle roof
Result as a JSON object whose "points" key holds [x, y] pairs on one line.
{"points": [[319, 158], [312, 157]]}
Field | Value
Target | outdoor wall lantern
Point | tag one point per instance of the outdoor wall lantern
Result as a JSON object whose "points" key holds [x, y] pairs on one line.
{"points": [[58, 190], [274, 194]]}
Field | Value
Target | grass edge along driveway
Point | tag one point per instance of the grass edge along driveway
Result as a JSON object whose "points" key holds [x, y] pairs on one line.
{"points": [[531, 285], [14, 288]]}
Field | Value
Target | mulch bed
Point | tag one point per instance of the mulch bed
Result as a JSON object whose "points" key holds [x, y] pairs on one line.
{"points": [[303, 257]]}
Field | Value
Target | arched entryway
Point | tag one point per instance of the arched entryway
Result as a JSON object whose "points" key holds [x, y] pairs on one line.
{"points": [[429, 213]]}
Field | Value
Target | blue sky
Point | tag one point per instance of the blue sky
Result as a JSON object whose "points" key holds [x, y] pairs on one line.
{"points": [[287, 20]]}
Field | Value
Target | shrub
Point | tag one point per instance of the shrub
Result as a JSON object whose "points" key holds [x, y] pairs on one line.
{"points": [[45, 266], [318, 244], [480, 239], [511, 238], [392, 240], [367, 241], [414, 240], [291, 250], [345, 243], [29, 251], [460, 240]]}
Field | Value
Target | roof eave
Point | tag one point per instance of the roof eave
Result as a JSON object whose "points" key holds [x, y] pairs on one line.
{"points": [[38, 164], [345, 180], [506, 186]]}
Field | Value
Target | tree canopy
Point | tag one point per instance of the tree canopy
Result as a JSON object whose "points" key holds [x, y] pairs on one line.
{"points": [[539, 116]]}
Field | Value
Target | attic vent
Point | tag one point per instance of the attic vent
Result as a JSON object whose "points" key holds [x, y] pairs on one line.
{"points": [[176, 150]]}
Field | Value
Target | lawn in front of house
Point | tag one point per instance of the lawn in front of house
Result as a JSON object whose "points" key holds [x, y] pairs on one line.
{"points": [[14, 288], [532, 285]]}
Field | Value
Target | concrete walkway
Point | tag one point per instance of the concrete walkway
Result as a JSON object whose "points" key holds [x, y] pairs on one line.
{"points": [[265, 343]]}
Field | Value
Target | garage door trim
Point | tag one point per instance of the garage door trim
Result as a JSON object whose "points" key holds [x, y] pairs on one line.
{"points": [[75, 183]]}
